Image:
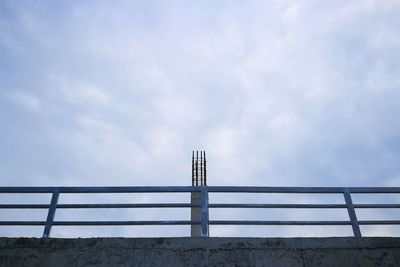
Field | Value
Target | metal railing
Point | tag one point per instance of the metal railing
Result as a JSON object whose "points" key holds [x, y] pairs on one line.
{"points": [[204, 205]]}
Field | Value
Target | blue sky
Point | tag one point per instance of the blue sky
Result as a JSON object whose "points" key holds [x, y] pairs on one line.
{"points": [[291, 93]]}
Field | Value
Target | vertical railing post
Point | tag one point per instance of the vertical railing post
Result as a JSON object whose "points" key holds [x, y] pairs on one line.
{"points": [[352, 213], [51, 213], [204, 211]]}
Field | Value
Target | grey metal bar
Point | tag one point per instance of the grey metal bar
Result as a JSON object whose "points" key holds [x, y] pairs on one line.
{"points": [[51, 214], [204, 212], [205, 169], [197, 168], [352, 214], [24, 206], [288, 190], [192, 168], [374, 190], [211, 222], [91, 223], [250, 222], [212, 189], [311, 190], [106, 189], [380, 222], [280, 206], [184, 205], [22, 223], [125, 206], [376, 206], [105, 223], [201, 168], [25, 189]]}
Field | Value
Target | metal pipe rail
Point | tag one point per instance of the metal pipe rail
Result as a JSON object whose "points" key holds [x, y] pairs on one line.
{"points": [[204, 206]]}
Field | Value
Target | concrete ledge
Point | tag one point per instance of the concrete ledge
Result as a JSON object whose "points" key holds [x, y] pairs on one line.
{"points": [[211, 251]]}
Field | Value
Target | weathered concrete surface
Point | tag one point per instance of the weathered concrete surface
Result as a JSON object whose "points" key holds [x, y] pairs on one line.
{"points": [[175, 252], [195, 199]]}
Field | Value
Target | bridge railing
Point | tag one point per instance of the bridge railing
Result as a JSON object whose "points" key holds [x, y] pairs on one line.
{"points": [[204, 205]]}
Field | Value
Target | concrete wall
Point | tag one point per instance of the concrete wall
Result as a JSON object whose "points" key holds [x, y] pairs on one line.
{"points": [[290, 252]]}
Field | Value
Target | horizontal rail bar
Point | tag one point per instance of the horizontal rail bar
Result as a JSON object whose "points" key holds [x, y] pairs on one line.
{"points": [[99, 206], [381, 222], [252, 189], [229, 222], [279, 206], [213, 222], [214, 189], [374, 190], [305, 206], [24, 206], [124, 206], [106, 189], [371, 222], [376, 206], [187, 205], [97, 223], [22, 223]]}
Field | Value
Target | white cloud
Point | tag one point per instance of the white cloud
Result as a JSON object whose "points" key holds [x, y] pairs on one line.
{"points": [[25, 100], [92, 95], [107, 144], [85, 94]]}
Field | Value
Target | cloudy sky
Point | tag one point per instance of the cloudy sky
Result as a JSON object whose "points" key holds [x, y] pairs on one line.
{"points": [[290, 93]]}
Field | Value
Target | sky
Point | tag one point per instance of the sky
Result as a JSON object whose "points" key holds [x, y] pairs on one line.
{"points": [[278, 93]]}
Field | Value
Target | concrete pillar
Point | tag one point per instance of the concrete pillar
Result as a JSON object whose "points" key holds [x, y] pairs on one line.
{"points": [[195, 214]]}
